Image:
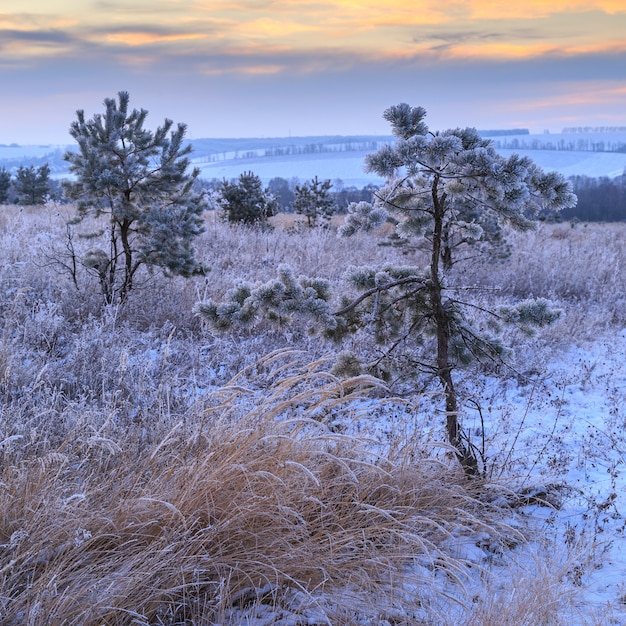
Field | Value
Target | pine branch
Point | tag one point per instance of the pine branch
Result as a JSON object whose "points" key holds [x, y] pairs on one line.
{"points": [[380, 288]]}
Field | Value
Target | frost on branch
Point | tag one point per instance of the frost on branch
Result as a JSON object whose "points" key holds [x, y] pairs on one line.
{"points": [[362, 216], [406, 121], [530, 313], [278, 300]]}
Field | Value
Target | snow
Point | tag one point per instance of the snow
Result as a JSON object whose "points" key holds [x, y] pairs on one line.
{"points": [[568, 430], [348, 166], [574, 163], [560, 438]]}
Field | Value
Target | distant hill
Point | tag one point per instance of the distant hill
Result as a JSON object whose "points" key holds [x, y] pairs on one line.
{"points": [[589, 151], [503, 133]]}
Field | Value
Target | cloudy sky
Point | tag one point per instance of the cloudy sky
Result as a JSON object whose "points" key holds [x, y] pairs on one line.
{"points": [[310, 67]]}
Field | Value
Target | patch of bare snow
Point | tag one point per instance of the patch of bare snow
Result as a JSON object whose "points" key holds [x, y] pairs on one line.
{"points": [[564, 434]]}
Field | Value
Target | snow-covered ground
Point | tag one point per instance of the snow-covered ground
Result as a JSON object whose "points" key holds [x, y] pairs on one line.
{"points": [[574, 163], [348, 166], [559, 436], [565, 431]]}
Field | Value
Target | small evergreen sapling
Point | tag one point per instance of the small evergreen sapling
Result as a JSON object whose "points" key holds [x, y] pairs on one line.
{"points": [[313, 200], [452, 193], [245, 200], [5, 185], [32, 184], [138, 180]]}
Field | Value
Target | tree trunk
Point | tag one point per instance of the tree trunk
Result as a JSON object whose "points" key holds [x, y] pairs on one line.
{"points": [[127, 285], [442, 324]]}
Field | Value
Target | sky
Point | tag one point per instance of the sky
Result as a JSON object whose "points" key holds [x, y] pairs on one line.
{"points": [[274, 68]]}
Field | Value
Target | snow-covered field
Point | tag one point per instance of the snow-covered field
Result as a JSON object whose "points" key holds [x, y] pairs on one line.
{"points": [[594, 164], [564, 430], [347, 166]]}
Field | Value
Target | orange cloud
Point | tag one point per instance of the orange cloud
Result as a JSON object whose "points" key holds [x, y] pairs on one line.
{"points": [[357, 26], [504, 51], [268, 28], [356, 29], [142, 39], [368, 14], [260, 69], [251, 70], [31, 50], [373, 12], [529, 9], [576, 96]]}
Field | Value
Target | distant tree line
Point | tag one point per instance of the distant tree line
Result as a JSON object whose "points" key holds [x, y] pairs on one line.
{"points": [[285, 193], [594, 129], [318, 148], [245, 200], [297, 149], [503, 133], [581, 144], [600, 199], [31, 185]]}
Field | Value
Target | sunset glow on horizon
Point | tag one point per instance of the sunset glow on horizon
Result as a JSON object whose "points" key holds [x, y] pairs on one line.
{"points": [[273, 67]]}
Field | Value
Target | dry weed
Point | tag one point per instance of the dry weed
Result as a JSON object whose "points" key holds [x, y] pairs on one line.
{"points": [[246, 501]]}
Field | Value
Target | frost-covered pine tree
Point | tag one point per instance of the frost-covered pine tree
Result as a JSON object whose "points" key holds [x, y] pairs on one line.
{"points": [[32, 184], [5, 185], [246, 201], [139, 181], [313, 200], [451, 192]]}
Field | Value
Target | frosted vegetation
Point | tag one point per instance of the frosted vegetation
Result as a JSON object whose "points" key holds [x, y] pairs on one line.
{"points": [[142, 481], [158, 471]]}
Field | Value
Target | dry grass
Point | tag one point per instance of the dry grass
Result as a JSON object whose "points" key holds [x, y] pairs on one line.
{"points": [[232, 506], [578, 267], [139, 484]]}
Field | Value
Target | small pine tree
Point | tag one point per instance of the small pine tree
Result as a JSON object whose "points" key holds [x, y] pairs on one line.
{"points": [[5, 185], [245, 201], [451, 192], [138, 180], [313, 200], [32, 185]]}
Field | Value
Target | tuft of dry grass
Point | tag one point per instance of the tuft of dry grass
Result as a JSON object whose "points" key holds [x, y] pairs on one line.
{"points": [[248, 500]]}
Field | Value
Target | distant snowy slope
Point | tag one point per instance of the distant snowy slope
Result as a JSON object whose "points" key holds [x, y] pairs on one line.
{"points": [[344, 157], [348, 166], [593, 164]]}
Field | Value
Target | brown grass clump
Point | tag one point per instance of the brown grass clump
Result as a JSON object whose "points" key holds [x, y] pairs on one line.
{"points": [[232, 507]]}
